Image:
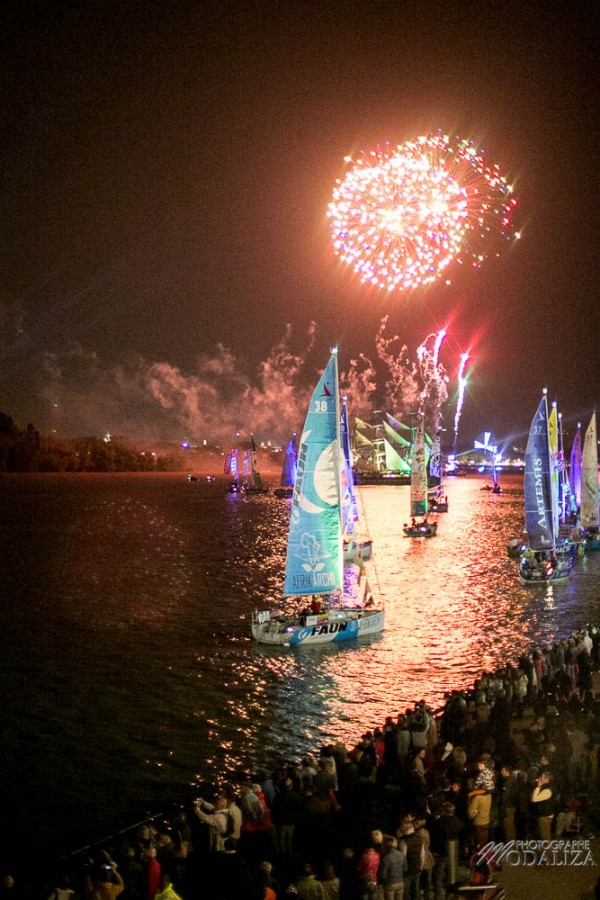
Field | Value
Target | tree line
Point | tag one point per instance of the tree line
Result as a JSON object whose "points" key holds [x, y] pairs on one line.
{"points": [[29, 451]]}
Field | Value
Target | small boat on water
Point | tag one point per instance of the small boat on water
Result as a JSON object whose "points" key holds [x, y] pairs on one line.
{"points": [[321, 605], [288, 470], [546, 558], [488, 446], [420, 526], [231, 470]]}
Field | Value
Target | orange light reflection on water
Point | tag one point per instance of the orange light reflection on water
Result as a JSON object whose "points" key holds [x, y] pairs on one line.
{"points": [[454, 608]]}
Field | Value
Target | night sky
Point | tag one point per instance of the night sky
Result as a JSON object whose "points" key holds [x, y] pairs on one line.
{"points": [[167, 265]]}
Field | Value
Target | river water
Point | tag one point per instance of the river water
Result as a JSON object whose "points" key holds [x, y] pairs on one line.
{"points": [[128, 674]]}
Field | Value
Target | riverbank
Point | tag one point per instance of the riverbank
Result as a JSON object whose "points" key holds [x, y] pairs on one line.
{"points": [[399, 769]]}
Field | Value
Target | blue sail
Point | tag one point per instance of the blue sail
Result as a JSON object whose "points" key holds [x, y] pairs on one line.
{"points": [[314, 563], [290, 465], [348, 492], [539, 517]]}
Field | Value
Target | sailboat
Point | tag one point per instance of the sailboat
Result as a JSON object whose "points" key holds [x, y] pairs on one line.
{"points": [[251, 478], [488, 446], [575, 468], [288, 470], [314, 572], [590, 520], [248, 480], [231, 470], [438, 501], [497, 487], [420, 525], [545, 559], [355, 550]]}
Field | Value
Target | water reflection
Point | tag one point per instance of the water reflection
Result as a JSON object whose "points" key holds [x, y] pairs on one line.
{"points": [[132, 598], [454, 607]]}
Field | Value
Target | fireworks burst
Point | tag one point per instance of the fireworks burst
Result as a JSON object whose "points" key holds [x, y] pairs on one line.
{"points": [[402, 215]]}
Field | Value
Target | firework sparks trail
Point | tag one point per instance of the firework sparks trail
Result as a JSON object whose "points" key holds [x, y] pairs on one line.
{"points": [[401, 389], [402, 215], [462, 383], [433, 376], [438, 343], [408, 385]]}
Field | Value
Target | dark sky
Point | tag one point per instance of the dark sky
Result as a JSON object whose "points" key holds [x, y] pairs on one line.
{"points": [[165, 175]]}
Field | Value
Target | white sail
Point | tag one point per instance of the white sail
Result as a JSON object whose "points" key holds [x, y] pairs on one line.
{"points": [[589, 478]]}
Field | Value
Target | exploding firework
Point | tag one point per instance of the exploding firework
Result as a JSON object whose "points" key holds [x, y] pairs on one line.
{"points": [[402, 215]]}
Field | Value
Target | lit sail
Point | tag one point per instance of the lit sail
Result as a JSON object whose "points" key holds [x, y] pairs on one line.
{"points": [[554, 465], [290, 465], [418, 473], [349, 502], [314, 563], [575, 466], [393, 461], [394, 437], [539, 510], [589, 478], [252, 477], [435, 463], [231, 464]]}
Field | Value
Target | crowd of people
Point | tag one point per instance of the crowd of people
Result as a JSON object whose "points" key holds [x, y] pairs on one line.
{"points": [[403, 814]]}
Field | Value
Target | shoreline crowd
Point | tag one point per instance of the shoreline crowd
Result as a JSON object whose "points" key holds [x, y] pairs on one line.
{"points": [[403, 815]]}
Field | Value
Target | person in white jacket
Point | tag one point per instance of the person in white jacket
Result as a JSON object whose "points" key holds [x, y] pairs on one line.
{"points": [[215, 816]]}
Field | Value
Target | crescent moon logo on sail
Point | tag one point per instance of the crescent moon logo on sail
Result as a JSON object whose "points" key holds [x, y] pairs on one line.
{"points": [[324, 485]]}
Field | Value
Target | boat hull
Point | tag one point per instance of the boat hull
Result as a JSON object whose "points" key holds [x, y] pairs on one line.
{"points": [[246, 489], [421, 531], [333, 627], [544, 574]]}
